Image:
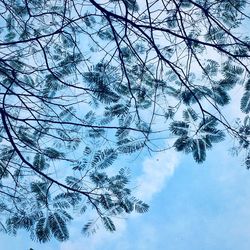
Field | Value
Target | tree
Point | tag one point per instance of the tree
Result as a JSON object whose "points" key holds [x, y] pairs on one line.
{"points": [[83, 82]]}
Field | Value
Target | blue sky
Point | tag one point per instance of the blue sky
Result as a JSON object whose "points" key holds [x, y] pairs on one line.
{"points": [[192, 207], [196, 207]]}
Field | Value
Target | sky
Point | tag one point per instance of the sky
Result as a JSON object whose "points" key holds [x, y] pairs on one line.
{"points": [[192, 207]]}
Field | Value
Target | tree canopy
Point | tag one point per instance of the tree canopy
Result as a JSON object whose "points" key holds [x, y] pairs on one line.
{"points": [[84, 82]]}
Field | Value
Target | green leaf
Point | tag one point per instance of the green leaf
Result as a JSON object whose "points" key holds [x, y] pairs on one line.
{"points": [[179, 128], [191, 97], [26, 138], [87, 151], [61, 204], [127, 205], [106, 34], [96, 132], [104, 159], [199, 150], [247, 85], [106, 201], [116, 110], [3, 170], [98, 178], [245, 102], [42, 230], [58, 226], [131, 147], [10, 36], [39, 162], [89, 20], [141, 207], [74, 182], [72, 198], [40, 189], [108, 223], [228, 83], [53, 153], [184, 143], [190, 115], [18, 221], [213, 134], [220, 96], [89, 228], [247, 161]]}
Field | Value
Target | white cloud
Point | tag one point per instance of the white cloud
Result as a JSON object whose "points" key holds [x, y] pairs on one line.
{"points": [[156, 171]]}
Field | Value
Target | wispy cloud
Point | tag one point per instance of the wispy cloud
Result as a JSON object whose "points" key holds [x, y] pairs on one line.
{"points": [[156, 171]]}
